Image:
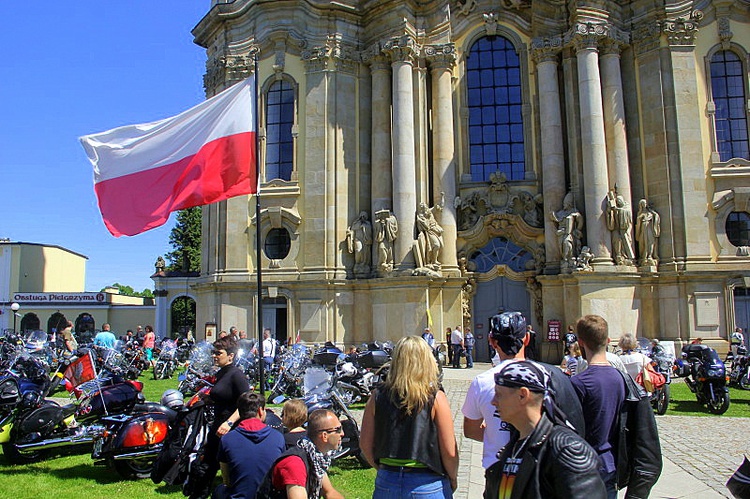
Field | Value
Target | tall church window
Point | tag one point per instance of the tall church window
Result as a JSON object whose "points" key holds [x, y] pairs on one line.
{"points": [[730, 118], [279, 159], [493, 73]]}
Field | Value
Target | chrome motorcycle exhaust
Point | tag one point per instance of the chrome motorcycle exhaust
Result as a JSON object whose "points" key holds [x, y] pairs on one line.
{"points": [[86, 436], [136, 455]]}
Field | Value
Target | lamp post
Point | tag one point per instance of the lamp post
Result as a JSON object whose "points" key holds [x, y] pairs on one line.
{"points": [[14, 307]]}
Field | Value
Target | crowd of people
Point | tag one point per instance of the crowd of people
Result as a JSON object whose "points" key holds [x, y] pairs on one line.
{"points": [[545, 433]]}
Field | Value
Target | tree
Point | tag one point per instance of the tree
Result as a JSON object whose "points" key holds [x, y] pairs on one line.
{"points": [[185, 240], [126, 290]]}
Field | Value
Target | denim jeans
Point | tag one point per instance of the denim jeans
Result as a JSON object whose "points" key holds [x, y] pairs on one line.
{"points": [[399, 485], [469, 356]]}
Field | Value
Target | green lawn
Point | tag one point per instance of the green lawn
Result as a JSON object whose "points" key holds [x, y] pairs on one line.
{"points": [[683, 402]]}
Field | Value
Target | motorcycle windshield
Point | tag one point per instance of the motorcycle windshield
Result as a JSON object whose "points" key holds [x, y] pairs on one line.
{"points": [[168, 349], [317, 383], [201, 359]]}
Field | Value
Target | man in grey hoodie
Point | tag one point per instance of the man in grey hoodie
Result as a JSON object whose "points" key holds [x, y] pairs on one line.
{"points": [[247, 452]]}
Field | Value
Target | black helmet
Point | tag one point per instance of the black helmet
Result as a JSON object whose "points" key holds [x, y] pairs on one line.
{"points": [[509, 330]]}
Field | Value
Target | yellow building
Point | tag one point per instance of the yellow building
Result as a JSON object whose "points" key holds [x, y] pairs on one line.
{"points": [[46, 282]]}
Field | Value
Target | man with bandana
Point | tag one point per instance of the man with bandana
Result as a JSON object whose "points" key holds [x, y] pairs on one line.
{"points": [[509, 337], [301, 471], [542, 459]]}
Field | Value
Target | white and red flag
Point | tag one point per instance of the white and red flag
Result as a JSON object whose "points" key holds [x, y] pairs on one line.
{"points": [[206, 154]]}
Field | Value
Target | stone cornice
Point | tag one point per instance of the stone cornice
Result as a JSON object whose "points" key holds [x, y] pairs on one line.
{"points": [[334, 55], [440, 56], [682, 31], [546, 49], [226, 69]]}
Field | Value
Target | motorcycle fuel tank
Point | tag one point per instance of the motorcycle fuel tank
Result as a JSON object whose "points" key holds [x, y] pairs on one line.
{"points": [[113, 399]]}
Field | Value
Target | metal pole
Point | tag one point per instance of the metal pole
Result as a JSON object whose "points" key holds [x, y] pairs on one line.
{"points": [[261, 367]]}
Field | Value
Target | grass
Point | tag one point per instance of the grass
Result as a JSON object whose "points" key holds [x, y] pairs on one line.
{"points": [[74, 476], [683, 402]]}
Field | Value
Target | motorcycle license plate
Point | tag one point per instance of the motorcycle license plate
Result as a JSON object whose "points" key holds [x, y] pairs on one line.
{"points": [[98, 444]]}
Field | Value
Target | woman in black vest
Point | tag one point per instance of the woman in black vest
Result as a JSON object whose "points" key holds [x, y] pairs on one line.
{"points": [[407, 429]]}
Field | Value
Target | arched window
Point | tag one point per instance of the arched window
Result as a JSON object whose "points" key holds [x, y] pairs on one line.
{"points": [[501, 251], [493, 73], [30, 322], [730, 118], [56, 322], [279, 136]]}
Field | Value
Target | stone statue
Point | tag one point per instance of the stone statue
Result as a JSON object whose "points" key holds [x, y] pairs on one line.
{"points": [[620, 222], [647, 231], [499, 191], [386, 231], [569, 231], [359, 242], [583, 262], [160, 264], [430, 238]]}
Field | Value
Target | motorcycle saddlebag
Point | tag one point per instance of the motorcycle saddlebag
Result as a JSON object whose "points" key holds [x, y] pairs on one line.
{"points": [[42, 420], [10, 394], [372, 359]]}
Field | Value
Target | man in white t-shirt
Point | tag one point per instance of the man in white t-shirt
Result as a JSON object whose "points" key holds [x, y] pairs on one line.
{"points": [[737, 340], [457, 344], [508, 337], [269, 352]]}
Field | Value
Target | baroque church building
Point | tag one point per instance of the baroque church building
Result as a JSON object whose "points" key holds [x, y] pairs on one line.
{"points": [[437, 162]]}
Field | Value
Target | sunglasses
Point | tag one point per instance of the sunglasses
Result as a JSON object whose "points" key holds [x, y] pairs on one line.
{"points": [[331, 430], [218, 352]]}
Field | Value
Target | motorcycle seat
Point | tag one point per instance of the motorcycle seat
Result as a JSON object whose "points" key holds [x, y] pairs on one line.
{"points": [[155, 407], [68, 410]]}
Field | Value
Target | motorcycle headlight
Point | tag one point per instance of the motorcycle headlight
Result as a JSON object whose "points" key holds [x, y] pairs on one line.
{"points": [[714, 372]]}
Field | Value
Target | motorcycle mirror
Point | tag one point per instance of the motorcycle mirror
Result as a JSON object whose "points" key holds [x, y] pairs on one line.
{"points": [[279, 400]]}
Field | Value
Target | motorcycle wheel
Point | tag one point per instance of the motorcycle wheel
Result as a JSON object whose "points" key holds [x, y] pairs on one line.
{"points": [[744, 381], [134, 469], [14, 457], [662, 400], [159, 371], [720, 404]]}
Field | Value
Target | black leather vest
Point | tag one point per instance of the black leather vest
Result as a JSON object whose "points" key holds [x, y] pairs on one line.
{"points": [[398, 436]]}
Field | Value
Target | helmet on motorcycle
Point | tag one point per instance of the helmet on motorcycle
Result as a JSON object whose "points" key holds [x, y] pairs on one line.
{"points": [[741, 350], [173, 399], [348, 370]]}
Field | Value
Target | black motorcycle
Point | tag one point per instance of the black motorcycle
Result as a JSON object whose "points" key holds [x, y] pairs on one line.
{"points": [[167, 362], [739, 373], [707, 377], [663, 363], [200, 369], [291, 370]]}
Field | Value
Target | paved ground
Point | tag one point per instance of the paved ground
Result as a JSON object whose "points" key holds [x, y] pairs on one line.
{"points": [[700, 453]]}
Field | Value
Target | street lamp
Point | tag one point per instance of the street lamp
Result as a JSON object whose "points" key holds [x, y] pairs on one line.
{"points": [[14, 307]]}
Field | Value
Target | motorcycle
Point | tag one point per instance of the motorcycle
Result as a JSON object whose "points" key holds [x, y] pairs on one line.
{"points": [[31, 426], [167, 361], [291, 370], [322, 392], [707, 377], [200, 368], [130, 443], [663, 363], [739, 373], [247, 361]]}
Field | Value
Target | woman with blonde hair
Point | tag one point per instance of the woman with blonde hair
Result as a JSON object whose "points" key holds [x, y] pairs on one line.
{"points": [[407, 428], [294, 416], [635, 362]]}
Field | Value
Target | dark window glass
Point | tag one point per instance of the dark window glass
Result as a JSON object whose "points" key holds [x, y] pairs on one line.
{"points": [[279, 122], [728, 88], [277, 244], [495, 119], [738, 228]]}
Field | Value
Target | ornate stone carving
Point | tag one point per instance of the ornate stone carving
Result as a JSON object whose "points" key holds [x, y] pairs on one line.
{"points": [[440, 55], [583, 261], [499, 197], [682, 30], [386, 231], [620, 223], [569, 232], [466, 6], [334, 54], [160, 264], [468, 290], [403, 49], [535, 290], [359, 243], [228, 68], [546, 49], [517, 4], [647, 231], [490, 23], [586, 35], [725, 33], [429, 240]]}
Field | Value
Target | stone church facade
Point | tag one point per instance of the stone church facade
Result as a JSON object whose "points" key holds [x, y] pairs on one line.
{"points": [[435, 162]]}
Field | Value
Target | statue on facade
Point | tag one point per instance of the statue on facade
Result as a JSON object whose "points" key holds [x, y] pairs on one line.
{"points": [[647, 231], [620, 222], [569, 231], [160, 264], [499, 191], [583, 262], [430, 238], [386, 231], [359, 242]]}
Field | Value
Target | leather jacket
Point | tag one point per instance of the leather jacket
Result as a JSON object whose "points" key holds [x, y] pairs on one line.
{"points": [[556, 463], [639, 460]]}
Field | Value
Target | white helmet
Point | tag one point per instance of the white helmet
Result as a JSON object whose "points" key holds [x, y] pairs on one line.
{"points": [[173, 399], [348, 369]]}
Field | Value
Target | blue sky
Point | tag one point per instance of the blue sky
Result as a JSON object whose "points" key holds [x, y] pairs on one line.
{"points": [[74, 67]]}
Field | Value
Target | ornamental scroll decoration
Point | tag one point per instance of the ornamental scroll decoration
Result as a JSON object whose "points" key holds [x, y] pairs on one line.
{"points": [[226, 69], [682, 30]]}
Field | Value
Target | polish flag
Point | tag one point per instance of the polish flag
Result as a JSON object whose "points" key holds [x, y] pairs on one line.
{"points": [[144, 172]]}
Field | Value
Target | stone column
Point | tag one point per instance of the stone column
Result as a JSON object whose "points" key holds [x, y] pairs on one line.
{"points": [[545, 52], [382, 187], [614, 119], [402, 52], [593, 142], [442, 59]]}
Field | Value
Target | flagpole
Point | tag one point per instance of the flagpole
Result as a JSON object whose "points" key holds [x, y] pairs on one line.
{"points": [[257, 232]]}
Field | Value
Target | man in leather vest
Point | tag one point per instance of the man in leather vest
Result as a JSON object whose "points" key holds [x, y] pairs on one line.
{"points": [[542, 459]]}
